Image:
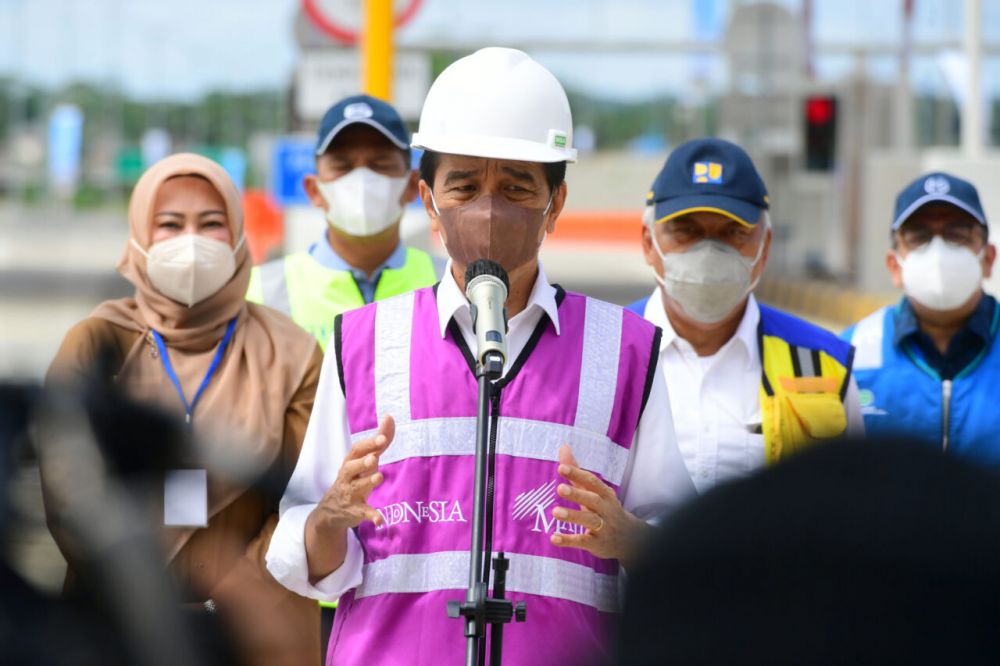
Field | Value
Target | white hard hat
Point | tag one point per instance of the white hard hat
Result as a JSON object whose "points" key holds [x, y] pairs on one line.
{"points": [[497, 103]]}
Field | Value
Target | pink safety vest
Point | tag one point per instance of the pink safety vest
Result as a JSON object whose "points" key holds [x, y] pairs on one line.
{"points": [[586, 386]]}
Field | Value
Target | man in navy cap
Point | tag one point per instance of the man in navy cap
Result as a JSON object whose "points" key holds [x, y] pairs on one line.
{"points": [[927, 366], [362, 182], [748, 384]]}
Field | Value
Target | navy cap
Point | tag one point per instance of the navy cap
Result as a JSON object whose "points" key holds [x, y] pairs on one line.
{"points": [[366, 110], [937, 187], [709, 175]]}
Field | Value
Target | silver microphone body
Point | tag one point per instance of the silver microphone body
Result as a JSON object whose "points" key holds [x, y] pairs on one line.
{"points": [[487, 294]]}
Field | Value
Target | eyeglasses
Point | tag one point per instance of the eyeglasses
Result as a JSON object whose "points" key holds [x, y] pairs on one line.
{"points": [[684, 233], [956, 234]]}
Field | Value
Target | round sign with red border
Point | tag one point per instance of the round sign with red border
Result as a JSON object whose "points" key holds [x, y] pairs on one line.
{"points": [[321, 16]]}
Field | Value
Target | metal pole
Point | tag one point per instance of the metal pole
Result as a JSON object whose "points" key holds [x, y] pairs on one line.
{"points": [[904, 98], [972, 110], [377, 49], [807, 40], [475, 628]]}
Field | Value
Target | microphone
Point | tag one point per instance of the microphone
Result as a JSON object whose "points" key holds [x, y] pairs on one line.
{"points": [[486, 286]]}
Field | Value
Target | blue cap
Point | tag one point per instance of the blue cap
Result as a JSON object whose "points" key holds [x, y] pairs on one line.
{"points": [[709, 175], [366, 110], [937, 187]]}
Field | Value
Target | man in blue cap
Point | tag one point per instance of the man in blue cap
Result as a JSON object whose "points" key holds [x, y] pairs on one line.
{"points": [[748, 384], [362, 182], [927, 366]]}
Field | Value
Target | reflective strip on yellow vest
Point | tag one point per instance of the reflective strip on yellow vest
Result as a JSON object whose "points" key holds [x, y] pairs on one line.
{"points": [[801, 396], [313, 295]]}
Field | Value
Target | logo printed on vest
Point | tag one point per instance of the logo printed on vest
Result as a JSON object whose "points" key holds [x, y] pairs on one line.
{"points": [[866, 399], [433, 511], [532, 506]]}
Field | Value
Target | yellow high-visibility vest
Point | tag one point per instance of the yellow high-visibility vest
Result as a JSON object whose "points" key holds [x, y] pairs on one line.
{"points": [[313, 295], [806, 371]]}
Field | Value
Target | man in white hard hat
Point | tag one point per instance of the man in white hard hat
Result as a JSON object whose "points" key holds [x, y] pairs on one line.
{"points": [[379, 507]]}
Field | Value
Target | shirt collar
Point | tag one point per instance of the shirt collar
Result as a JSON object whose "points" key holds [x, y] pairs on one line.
{"points": [[324, 253], [979, 322], [450, 299], [746, 332]]}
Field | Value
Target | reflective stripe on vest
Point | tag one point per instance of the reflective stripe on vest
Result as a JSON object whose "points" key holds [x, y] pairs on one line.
{"points": [[273, 288], [529, 574], [802, 388], [523, 438]]}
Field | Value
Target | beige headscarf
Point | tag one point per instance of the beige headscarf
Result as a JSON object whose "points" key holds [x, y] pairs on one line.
{"points": [[263, 366]]}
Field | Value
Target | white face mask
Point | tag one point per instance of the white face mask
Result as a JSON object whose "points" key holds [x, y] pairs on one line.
{"points": [[362, 202], [189, 268], [941, 276], [709, 280]]}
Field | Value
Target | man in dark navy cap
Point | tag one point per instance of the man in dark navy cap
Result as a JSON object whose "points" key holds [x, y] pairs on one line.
{"points": [[927, 366], [748, 384], [362, 182]]}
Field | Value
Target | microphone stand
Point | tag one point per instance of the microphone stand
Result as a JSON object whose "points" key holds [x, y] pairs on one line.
{"points": [[479, 609]]}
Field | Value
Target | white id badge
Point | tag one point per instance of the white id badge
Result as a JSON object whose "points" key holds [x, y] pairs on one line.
{"points": [[185, 498]]}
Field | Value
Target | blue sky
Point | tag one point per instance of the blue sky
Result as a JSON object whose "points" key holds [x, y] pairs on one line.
{"points": [[180, 48]]}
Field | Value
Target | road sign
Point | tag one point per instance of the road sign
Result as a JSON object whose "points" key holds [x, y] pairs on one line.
{"points": [[292, 158], [341, 19], [326, 76], [65, 148]]}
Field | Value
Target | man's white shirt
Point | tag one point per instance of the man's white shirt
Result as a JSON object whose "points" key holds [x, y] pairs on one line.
{"points": [[715, 399], [656, 480]]}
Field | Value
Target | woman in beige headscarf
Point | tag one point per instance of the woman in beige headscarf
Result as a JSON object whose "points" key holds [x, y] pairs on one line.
{"points": [[189, 263]]}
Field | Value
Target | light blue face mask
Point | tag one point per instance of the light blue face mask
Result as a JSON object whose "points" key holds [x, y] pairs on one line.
{"points": [[709, 280]]}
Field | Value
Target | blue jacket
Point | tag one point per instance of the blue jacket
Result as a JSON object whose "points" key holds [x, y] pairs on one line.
{"points": [[902, 395]]}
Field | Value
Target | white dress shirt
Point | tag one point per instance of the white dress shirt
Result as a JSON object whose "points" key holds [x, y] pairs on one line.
{"points": [[656, 479], [715, 399]]}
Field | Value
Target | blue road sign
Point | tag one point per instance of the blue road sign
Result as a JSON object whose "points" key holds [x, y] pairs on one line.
{"points": [[291, 159], [65, 146]]}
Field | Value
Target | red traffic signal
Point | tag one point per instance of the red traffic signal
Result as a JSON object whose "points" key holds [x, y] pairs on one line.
{"points": [[820, 115], [820, 110]]}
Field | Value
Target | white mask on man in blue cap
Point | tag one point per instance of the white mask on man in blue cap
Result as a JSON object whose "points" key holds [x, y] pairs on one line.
{"points": [[940, 275], [709, 280], [363, 202]]}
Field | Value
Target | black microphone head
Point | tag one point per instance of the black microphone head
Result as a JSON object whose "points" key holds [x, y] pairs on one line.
{"points": [[486, 267]]}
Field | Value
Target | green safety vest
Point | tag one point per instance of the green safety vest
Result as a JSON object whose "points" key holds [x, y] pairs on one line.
{"points": [[313, 295]]}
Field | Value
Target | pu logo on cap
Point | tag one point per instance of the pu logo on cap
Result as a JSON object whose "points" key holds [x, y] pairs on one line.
{"points": [[937, 185], [707, 172], [358, 110]]}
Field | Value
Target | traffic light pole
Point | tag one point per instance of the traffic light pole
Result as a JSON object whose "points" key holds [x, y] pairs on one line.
{"points": [[377, 49]]}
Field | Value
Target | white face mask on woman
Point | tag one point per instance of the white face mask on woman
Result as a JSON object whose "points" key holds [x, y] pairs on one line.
{"points": [[362, 202], [709, 280], [189, 268], [940, 275]]}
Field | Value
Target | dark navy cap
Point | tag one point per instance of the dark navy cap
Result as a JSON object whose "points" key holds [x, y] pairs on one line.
{"points": [[366, 110], [937, 187], [709, 175]]}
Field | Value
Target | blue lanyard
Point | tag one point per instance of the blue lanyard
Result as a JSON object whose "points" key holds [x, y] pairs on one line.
{"points": [[169, 368]]}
